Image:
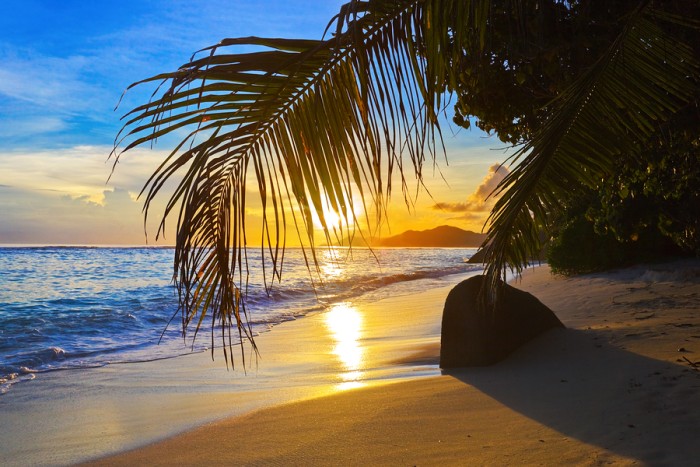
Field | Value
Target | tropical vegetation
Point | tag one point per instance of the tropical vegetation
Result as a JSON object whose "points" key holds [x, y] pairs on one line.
{"points": [[576, 86], [648, 205]]}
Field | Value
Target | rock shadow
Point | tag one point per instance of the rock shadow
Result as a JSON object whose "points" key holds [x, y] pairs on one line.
{"points": [[575, 383]]}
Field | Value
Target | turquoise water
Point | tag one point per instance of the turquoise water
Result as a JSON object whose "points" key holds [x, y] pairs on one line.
{"points": [[81, 307]]}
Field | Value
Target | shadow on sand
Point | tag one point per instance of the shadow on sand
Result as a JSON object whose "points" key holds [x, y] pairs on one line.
{"points": [[575, 383]]}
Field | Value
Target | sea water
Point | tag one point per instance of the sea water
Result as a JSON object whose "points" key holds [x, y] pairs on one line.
{"points": [[82, 307]]}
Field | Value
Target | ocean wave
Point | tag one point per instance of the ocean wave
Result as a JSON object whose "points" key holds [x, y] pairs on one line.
{"points": [[13, 378], [90, 307]]}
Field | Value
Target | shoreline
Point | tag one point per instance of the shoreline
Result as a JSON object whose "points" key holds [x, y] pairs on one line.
{"points": [[74, 416], [614, 386]]}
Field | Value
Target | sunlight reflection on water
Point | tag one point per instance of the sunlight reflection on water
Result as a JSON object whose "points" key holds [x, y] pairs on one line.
{"points": [[103, 305], [346, 326], [332, 265]]}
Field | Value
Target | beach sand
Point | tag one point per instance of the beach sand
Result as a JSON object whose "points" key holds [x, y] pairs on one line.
{"points": [[619, 386]]}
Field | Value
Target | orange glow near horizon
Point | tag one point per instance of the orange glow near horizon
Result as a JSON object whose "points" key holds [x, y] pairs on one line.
{"points": [[78, 208]]}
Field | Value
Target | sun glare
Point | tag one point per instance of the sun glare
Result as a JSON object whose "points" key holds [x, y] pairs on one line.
{"points": [[345, 324], [333, 219], [332, 264]]}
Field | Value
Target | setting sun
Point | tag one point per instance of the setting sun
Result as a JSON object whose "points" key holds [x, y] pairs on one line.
{"points": [[334, 220]]}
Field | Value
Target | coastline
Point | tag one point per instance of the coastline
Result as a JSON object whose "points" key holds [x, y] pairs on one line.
{"points": [[619, 385], [71, 416]]}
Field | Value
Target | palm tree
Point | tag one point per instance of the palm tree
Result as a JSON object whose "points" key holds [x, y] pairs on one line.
{"points": [[319, 123]]}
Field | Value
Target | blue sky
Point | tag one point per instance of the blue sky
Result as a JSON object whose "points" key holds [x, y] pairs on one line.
{"points": [[63, 67]]}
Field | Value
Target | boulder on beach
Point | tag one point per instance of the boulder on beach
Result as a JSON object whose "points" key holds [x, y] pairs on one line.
{"points": [[473, 336]]}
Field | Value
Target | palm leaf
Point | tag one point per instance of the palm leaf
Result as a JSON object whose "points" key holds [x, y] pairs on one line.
{"points": [[316, 122]]}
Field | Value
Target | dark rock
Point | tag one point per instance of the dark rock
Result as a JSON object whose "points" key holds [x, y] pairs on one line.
{"points": [[473, 336], [478, 257]]}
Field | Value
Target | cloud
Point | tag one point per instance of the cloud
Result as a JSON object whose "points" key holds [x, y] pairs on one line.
{"points": [[49, 217], [44, 100], [54, 83], [32, 126], [79, 171], [451, 207], [63, 197], [473, 217], [479, 200]]}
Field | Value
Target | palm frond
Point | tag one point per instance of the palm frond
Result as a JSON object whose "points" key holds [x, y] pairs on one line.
{"points": [[611, 110], [316, 122]]}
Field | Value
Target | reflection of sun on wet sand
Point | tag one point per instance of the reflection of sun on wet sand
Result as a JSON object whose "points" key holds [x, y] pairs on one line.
{"points": [[345, 325], [620, 385]]}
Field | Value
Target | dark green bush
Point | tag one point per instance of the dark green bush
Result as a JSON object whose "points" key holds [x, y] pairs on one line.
{"points": [[578, 249], [647, 209]]}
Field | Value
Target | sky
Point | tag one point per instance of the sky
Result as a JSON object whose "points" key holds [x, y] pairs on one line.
{"points": [[63, 68]]}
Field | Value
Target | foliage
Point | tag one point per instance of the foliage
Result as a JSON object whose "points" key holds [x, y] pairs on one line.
{"points": [[316, 122], [609, 110], [648, 208], [659, 191], [581, 243], [578, 249], [534, 52], [537, 57]]}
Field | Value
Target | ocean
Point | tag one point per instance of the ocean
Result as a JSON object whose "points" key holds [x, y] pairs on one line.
{"points": [[84, 307]]}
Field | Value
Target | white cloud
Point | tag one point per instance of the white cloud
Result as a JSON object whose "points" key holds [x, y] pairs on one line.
{"points": [[80, 171], [46, 217], [482, 198], [484, 192], [62, 196], [47, 82]]}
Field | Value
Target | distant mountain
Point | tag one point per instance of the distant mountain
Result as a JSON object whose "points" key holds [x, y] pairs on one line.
{"points": [[443, 236]]}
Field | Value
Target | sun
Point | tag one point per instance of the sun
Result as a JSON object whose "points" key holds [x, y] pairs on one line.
{"points": [[335, 220], [332, 218]]}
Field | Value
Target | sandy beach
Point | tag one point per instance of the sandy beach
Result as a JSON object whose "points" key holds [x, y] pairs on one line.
{"points": [[619, 386]]}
